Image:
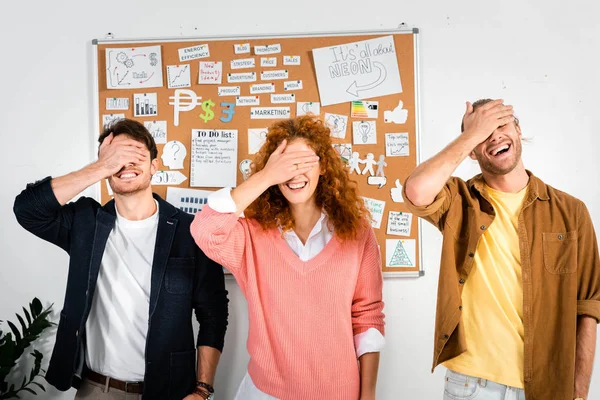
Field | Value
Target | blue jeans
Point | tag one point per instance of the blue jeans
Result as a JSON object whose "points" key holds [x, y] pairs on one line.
{"points": [[464, 387]]}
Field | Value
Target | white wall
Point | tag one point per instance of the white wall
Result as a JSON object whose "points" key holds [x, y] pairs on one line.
{"points": [[541, 56]]}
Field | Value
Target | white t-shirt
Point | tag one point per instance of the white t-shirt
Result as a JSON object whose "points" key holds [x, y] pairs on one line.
{"points": [[118, 322]]}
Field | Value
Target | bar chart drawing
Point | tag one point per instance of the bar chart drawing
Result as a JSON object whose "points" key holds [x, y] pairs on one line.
{"points": [[145, 105]]}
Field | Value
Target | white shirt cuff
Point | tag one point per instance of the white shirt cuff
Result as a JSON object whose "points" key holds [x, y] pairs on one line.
{"points": [[370, 341], [221, 201]]}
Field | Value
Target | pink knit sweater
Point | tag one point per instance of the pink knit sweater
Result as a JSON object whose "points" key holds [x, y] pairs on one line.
{"points": [[303, 315]]}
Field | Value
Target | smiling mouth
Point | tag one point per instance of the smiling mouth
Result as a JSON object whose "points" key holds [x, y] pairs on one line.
{"points": [[127, 175], [296, 186], [498, 151]]}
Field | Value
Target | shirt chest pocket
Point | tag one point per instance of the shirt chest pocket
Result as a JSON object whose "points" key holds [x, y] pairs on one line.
{"points": [[560, 252], [179, 277]]}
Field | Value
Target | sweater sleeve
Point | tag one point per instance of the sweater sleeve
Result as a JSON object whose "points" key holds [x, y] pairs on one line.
{"points": [[367, 304], [222, 237]]}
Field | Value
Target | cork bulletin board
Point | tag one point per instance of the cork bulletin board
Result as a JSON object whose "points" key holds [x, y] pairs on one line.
{"points": [[208, 102]]}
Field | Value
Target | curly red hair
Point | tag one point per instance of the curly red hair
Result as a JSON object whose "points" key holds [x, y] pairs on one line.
{"points": [[336, 194]]}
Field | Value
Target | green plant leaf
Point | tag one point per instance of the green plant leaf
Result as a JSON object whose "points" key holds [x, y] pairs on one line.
{"points": [[27, 315], [36, 305], [24, 381], [39, 385], [29, 390], [15, 331]]}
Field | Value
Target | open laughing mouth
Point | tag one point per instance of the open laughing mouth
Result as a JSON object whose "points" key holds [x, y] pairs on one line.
{"points": [[500, 151], [296, 186]]}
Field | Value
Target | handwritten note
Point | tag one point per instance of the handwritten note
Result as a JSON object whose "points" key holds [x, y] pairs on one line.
{"points": [[214, 158], [247, 101], [158, 130], [399, 223], [400, 252], [115, 103], [358, 70], [283, 98], [291, 60], [376, 208], [396, 144], [267, 49], [268, 61], [241, 77], [211, 72], [292, 85], [275, 74], [260, 88], [229, 90], [243, 48], [241, 63], [269, 113]]}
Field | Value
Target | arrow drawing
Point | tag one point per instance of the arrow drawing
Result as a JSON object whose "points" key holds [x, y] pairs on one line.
{"points": [[353, 89]]}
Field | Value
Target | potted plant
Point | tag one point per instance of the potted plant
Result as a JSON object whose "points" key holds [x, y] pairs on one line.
{"points": [[14, 343]]}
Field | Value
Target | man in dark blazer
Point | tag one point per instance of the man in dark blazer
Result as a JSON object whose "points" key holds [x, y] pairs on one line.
{"points": [[135, 277]]}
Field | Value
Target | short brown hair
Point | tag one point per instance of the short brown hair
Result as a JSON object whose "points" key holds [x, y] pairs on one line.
{"points": [[478, 104], [132, 128]]}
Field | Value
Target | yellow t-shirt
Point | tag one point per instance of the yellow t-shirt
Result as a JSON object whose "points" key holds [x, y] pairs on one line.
{"points": [[492, 299]]}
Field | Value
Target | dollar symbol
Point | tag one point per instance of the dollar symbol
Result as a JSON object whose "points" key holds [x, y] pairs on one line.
{"points": [[208, 113]]}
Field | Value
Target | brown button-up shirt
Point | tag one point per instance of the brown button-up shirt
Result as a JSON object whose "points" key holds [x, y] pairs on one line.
{"points": [[560, 272]]}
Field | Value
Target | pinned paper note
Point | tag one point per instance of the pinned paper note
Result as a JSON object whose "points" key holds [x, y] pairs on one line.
{"points": [[396, 144], [267, 49], [241, 63], [292, 85], [246, 168], [358, 70], [229, 90], [256, 138], [291, 60], [210, 72], [397, 116], [369, 164], [187, 200], [260, 88], [168, 178], [364, 109], [399, 223], [307, 107], [268, 61], [108, 119], [378, 181], [241, 77], [269, 113], [117, 103], [354, 163], [194, 52], [228, 110], [133, 68], [364, 132], [400, 252], [214, 158], [344, 150], [243, 48], [337, 124], [396, 192], [376, 208], [178, 76], [174, 154], [283, 98], [183, 100], [158, 130], [247, 101], [145, 104], [274, 74]]}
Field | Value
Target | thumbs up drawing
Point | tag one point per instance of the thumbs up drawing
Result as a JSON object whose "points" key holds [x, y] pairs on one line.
{"points": [[397, 192]]}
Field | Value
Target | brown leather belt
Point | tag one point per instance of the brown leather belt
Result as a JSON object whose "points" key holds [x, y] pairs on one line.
{"points": [[129, 387]]}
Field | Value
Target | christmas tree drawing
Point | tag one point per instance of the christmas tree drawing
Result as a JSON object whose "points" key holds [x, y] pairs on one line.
{"points": [[400, 258]]}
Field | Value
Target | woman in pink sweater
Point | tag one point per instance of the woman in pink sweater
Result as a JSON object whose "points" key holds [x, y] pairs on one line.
{"points": [[308, 263]]}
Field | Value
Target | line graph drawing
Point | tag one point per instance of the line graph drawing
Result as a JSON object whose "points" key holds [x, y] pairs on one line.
{"points": [[132, 68], [178, 76]]}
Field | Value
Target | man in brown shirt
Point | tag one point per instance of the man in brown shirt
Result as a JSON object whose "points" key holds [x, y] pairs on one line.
{"points": [[519, 287]]}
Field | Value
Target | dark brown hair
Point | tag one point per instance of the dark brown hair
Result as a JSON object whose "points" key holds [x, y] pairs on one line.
{"points": [[336, 194], [478, 104], [133, 129]]}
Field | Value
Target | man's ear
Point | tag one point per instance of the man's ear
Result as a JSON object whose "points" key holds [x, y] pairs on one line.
{"points": [[518, 128], [153, 166]]}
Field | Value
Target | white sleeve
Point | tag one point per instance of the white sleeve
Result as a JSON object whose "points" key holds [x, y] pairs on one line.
{"points": [[221, 201], [370, 341]]}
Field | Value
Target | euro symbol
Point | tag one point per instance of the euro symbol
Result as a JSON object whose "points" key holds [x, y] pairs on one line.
{"points": [[184, 100]]}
